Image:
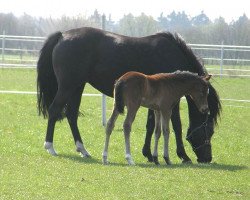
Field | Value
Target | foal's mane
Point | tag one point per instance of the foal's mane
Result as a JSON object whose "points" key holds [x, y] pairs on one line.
{"points": [[186, 75]]}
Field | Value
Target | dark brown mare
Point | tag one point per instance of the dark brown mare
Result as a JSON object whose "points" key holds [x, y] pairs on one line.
{"points": [[159, 92], [71, 59]]}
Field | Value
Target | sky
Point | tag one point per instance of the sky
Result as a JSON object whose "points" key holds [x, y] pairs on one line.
{"points": [[228, 9]]}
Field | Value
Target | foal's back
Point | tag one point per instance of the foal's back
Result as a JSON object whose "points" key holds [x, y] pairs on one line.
{"points": [[134, 85], [145, 90]]}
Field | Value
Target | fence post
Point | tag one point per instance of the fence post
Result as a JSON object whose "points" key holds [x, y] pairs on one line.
{"points": [[3, 46], [221, 58], [104, 100]]}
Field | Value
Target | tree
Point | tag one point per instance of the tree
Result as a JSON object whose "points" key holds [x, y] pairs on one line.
{"points": [[178, 22], [241, 31], [137, 26], [200, 20], [8, 23]]}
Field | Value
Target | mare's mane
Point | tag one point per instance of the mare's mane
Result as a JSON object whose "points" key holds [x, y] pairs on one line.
{"points": [[186, 50], [213, 98]]}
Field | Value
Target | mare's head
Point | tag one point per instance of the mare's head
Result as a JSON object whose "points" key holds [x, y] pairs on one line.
{"points": [[200, 134]]}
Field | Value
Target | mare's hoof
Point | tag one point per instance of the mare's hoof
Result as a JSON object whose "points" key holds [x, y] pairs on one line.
{"points": [[50, 149], [187, 162], [146, 152], [155, 159], [167, 161]]}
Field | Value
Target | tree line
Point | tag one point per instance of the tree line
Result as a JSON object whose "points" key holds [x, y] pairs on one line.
{"points": [[197, 29]]}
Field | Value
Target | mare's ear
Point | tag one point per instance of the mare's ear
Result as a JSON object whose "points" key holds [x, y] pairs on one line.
{"points": [[207, 77]]}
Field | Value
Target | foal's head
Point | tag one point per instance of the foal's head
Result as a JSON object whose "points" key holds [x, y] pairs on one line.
{"points": [[199, 93]]}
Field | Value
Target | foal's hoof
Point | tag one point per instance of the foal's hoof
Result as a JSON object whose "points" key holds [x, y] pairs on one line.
{"points": [[130, 160], [155, 159], [167, 161], [105, 160], [85, 155]]}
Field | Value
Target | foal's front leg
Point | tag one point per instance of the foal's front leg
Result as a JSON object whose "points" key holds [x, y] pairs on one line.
{"points": [[157, 136], [165, 118]]}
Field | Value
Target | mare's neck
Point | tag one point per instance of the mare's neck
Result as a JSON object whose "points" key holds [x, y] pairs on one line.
{"points": [[195, 117]]}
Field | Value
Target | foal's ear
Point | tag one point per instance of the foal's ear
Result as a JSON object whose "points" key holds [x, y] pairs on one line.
{"points": [[207, 77]]}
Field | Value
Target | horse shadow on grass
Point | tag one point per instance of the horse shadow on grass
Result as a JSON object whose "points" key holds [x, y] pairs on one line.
{"points": [[79, 159], [211, 166]]}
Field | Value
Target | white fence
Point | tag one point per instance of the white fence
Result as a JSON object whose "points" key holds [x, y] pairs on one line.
{"points": [[223, 60]]}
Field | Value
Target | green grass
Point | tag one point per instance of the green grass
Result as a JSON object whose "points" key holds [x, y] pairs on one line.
{"points": [[28, 172]]}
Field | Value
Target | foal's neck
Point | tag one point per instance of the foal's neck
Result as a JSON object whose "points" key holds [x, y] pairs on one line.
{"points": [[183, 87]]}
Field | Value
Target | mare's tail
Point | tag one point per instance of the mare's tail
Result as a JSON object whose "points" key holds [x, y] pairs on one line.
{"points": [[46, 79], [119, 101]]}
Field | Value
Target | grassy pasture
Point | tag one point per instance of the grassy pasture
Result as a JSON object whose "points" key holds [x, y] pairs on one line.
{"points": [[28, 172]]}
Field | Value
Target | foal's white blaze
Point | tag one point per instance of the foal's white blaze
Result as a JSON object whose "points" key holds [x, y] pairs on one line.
{"points": [[49, 147], [80, 148]]}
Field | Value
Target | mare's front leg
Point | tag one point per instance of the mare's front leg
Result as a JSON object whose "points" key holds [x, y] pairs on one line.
{"points": [[165, 118], [157, 136], [176, 122], [72, 116], [146, 151]]}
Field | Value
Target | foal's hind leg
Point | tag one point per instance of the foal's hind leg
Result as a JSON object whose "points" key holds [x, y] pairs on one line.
{"points": [[109, 129], [55, 110], [72, 116], [130, 117]]}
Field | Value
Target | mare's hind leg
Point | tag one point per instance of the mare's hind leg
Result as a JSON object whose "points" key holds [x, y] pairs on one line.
{"points": [[157, 136], [146, 151], [176, 122], [109, 128], [55, 110], [72, 116]]}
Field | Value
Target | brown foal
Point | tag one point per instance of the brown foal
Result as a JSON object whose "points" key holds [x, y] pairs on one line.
{"points": [[159, 92]]}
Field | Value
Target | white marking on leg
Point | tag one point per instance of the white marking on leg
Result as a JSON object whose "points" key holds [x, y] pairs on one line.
{"points": [[165, 130], [127, 130], [80, 148], [49, 147], [105, 157], [129, 159], [157, 132]]}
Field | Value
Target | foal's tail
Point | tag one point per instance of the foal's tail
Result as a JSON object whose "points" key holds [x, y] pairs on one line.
{"points": [[46, 79], [118, 95]]}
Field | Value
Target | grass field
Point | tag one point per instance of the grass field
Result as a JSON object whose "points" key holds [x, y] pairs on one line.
{"points": [[28, 172]]}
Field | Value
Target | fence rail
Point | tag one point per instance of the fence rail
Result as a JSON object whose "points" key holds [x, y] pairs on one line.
{"points": [[227, 60]]}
